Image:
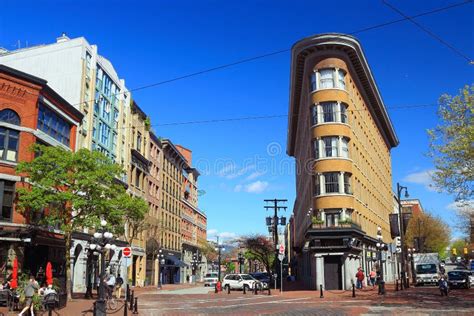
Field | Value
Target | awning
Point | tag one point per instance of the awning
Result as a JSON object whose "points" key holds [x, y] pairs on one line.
{"points": [[175, 262]]}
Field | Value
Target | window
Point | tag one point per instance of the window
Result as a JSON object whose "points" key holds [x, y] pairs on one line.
{"points": [[347, 183], [331, 180], [9, 116], [7, 193], [326, 78], [139, 141], [317, 185], [329, 111], [340, 79], [8, 144], [332, 219], [343, 113], [345, 147], [52, 124], [313, 81], [330, 146], [104, 132], [314, 116]]}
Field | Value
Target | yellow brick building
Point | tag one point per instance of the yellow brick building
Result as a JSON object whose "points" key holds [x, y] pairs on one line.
{"points": [[340, 135]]}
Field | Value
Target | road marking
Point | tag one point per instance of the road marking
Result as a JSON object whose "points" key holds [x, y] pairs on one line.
{"points": [[202, 301], [230, 306]]}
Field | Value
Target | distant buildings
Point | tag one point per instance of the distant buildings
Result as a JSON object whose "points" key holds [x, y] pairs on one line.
{"points": [[341, 136], [105, 117]]}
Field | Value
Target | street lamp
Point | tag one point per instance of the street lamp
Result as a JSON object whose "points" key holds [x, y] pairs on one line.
{"points": [[380, 247], [241, 261], [161, 260], [400, 189], [219, 249], [99, 245], [195, 263]]}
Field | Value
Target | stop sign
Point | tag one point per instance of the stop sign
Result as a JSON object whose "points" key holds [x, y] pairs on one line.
{"points": [[282, 249], [127, 252]]}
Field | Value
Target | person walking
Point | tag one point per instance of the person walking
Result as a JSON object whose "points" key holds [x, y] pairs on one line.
{"points": [[30, 290], [118, 284], [372, 277], [360, 278]]}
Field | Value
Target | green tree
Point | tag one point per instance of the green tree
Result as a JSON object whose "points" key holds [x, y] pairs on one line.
{"points": [[229, 267], [73, 190], [433, 233], [259, 248], [452, 144]]}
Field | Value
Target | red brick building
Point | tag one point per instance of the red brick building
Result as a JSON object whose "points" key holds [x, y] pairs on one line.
{"points": [[30, 113]]}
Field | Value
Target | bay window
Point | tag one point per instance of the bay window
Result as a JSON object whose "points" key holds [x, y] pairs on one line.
{"points": [[331, 146], [332, 182], [329, 112], [328, 78], [53, 125]]}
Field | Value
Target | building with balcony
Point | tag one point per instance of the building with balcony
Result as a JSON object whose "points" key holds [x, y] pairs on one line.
{"points": [[340, 135], [31, 112]]}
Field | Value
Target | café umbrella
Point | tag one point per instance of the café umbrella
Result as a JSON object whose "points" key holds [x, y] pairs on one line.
{"points": [[49, 274], [14, 281]]}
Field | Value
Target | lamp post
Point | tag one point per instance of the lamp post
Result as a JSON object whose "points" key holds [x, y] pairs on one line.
{"points": [[400, 189], [92, 257], [195, 264], [241, 261], [380, 247], [411, 251], [100, 244], [161, 260], [219, 249]]}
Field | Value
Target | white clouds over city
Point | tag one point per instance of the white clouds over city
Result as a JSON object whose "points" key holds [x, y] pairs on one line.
{"points": [[253, 187], [423, 178]]}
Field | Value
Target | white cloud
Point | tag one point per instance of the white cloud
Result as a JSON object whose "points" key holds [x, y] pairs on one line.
{"points": [[254, 175], [422, 177], [461, 206], [227, 235], [211, 232], [254, 187], [227, 169], [240, 172]]}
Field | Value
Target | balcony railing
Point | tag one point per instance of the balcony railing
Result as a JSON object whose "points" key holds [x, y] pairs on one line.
{"points": [[340, 225]]}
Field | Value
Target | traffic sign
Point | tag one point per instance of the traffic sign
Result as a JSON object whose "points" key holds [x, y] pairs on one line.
{"points": [[282, 249], [127, 252], [281, 257]]}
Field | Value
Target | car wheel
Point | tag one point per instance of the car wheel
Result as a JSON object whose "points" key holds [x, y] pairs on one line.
{"points": [[227, 287], [246, 288]]}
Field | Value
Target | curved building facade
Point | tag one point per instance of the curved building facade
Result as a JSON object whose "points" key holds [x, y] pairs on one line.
{"points": [[340, 135]]}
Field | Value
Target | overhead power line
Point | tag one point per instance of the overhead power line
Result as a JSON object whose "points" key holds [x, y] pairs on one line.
{"points": [[430, 33]]}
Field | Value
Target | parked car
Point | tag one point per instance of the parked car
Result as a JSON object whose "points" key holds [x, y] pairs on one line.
{"points": [[210, 279], [263, 277], [239, 282], [459, 278]]}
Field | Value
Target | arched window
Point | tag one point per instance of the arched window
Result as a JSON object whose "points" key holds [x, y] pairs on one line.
{"points": [[9, 116]]}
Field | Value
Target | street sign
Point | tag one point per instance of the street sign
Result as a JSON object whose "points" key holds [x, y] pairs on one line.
{"points": [[281, 257], [127, 252], [282, 249]]}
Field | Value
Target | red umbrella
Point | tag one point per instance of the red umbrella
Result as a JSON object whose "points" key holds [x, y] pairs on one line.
{"points": [[14, 281], [49, 273]]}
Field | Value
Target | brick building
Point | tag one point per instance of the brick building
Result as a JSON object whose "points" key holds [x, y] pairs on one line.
{"points": [[30, 113]]}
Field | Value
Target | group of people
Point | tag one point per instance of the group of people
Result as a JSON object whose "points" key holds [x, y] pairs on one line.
{"points": [[114, 284], [371, 277], [30, 289]]}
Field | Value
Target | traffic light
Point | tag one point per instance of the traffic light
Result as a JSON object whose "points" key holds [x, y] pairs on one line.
{"points": [[455, 253]]}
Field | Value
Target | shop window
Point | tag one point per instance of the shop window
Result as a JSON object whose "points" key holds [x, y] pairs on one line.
{"points": [[7, 193], [8, 144]]}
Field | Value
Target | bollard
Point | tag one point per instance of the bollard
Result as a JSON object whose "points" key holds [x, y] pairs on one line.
{"points": [[228, 289], [396, 285], [269, 291], [128, 292], [125, 309], [215, 289], [135, 306], [131, 300], [245, 289], [255, 290], [321, 295], [353, 289]]}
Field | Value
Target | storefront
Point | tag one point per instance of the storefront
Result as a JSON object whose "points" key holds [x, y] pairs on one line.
{"points": [[171, 270]]}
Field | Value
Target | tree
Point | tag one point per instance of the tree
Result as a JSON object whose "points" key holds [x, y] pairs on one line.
{"points": [[259, 248], [208, 250], [433, 234], [465, 214], [451, 144], [73, 190]]}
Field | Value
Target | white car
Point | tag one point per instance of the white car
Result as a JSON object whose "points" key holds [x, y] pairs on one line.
{"points": [[239, 282], [210, 279]]}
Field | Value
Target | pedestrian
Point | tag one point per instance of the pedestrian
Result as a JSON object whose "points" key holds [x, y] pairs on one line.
{"points": [[30, 290], [360, 278], [110, 282], [372, 276], [118, 284]]}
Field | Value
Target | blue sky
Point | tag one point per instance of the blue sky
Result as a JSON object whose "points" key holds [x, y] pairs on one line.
{"points": [[244, 162]]}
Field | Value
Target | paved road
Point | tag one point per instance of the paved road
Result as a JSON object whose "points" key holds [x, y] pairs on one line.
{"points": [[197, 301]]}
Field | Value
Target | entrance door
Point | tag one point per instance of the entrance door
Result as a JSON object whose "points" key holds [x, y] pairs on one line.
{"points": [[134, 270], [332, 272]]}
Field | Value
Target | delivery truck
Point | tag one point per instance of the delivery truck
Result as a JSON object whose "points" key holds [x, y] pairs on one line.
{"points": [[426, 266]]}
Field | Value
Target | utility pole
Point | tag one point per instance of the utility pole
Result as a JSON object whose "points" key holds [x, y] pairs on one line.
{"points": [[402, 233], [275, 222]]}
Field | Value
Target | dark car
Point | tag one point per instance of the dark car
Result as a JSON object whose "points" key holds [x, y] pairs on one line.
{"points": [[459, 278], [263, 277]]}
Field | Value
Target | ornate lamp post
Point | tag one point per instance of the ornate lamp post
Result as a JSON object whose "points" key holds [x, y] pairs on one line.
{"points": [[241, 261], [161, 259], [380, 247], [219, 249], [400, 189], [100, 244], [195, 264], [92, 257]]}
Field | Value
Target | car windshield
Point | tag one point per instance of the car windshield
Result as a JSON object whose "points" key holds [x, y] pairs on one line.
{"points": [[211, 275], [457, 275], [247, 277], [426, 268]]}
